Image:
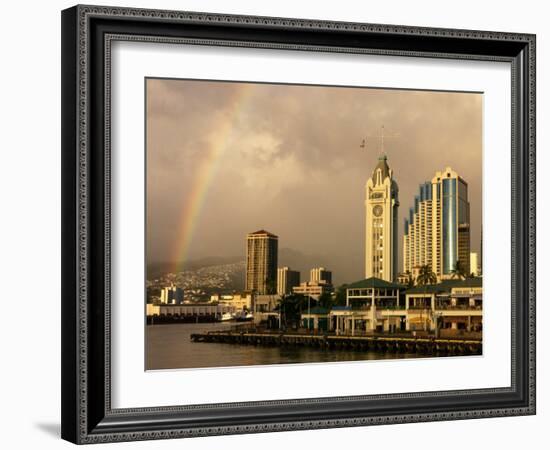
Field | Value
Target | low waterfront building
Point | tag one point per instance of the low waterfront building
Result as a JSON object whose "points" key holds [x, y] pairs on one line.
{"points": [[264, 309], [315, 319], [313, 289], [462, 309], [373, 305], [348, 320], [448, 308], [420, 304], [188, 309], [373, 292], [451, 306], [239, 302]]}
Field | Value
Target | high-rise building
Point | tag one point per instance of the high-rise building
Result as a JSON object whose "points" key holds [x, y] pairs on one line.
{"points": [[474, 264], [417, 239], [261, 262], [481, 251], [320, 275], [452, 213], [286, 280], [382, 205], [464, 246], [171, 295], [437, 231]]}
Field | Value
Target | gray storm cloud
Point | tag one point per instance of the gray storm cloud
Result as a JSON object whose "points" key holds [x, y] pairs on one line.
{"points": [[291, 162]]}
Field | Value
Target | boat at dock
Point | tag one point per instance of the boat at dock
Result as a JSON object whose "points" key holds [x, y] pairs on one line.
{"points": [[244, 316]]}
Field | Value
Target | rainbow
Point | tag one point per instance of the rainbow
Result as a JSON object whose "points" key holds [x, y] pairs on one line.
{"points": [[219, 143]]}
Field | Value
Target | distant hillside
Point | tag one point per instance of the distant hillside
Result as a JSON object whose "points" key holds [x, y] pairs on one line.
{"points": [[344, 269], [157, 269]]}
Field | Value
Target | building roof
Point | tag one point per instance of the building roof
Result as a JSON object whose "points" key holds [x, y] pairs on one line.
{"points": [[469, 282], [316, 310], [383, 166], [429, 289], [262, 232], [341, 308], [187, 305], [374, 282], [446, 286]]}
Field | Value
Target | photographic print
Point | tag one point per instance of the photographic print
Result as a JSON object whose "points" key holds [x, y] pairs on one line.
{"points": [[294, 223]]}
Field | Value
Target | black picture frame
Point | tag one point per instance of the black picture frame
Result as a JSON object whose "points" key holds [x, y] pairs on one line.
{"points": [[87, 415]]}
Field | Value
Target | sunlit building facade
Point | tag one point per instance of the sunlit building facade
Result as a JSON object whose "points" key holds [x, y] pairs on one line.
{"points": [[474, 264], [261, 262], [286, 280], [417, 238], [320, 275], [313, 289], [381, 208], [437, 230], [451, 233], [171, 295]]}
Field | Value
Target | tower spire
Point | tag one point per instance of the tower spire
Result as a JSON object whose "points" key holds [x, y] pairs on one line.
{"points": [[381, 137], [382, 152]]}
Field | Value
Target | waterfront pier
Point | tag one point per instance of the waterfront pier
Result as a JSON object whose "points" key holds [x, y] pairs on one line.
{"points": [[397, 344]]}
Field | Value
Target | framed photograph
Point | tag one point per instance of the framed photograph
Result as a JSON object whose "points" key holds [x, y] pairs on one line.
{"points": [[280, 224]]}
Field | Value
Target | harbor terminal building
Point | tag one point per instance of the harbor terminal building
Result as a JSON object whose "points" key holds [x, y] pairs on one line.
{"points": [[449, 308]]}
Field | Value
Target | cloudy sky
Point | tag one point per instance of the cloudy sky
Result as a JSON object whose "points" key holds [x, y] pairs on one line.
{"points": [[225, 159]]}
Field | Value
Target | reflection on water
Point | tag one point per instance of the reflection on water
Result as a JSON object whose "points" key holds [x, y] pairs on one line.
{"points": [[170, 347]]}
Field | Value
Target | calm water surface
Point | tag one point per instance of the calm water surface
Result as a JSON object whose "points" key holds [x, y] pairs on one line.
{"points": [[170, 347]]}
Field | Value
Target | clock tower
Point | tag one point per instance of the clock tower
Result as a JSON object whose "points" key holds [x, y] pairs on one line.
{"points": [[381, 206]]}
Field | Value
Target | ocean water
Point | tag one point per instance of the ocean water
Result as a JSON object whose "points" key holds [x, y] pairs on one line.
{"points": [[170, 347]]}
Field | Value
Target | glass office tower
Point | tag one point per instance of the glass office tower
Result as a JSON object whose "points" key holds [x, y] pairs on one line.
{"points": [[437, 231], [452, 211]]}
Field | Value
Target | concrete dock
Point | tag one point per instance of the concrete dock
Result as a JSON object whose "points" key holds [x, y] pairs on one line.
{"points": [[404, 344]]}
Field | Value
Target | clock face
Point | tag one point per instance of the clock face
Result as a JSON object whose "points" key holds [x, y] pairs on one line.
{"points": [[377, 210]]}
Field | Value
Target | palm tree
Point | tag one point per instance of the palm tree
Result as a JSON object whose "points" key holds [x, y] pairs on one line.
{"points": [[459, 271], [426, 276], [340, 296], [279, 307], [325, 301], [284, 307], [271, 286], [290, 308]]}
